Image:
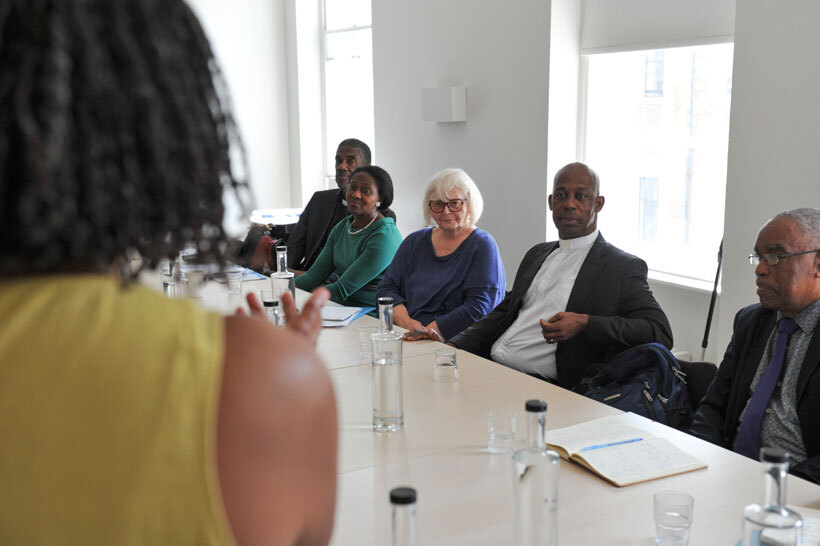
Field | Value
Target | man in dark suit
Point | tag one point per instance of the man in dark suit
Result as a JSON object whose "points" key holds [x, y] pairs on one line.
{"points": [[575, 302], [326, 208], [767, 389]]}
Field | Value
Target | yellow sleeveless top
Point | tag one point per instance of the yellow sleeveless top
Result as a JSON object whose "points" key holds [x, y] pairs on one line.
{"points": [[108, 405]]}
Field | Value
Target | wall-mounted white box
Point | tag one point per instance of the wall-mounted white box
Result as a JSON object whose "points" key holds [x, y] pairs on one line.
{"points": [[444, 104]]}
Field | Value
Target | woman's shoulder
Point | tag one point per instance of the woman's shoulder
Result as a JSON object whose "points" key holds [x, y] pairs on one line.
{"points": [[420, 235], [386, 226], [482, 239]]}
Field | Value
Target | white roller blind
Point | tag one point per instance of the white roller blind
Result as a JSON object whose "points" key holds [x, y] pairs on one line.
{"points": [[623, 25]]}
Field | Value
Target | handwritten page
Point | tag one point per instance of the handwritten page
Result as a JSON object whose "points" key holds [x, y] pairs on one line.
{"points": [[642, 461], [605, 430]]}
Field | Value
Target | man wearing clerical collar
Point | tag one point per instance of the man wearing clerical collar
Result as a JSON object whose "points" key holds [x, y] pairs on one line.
{"points": [[576, 301], [766, 389]]}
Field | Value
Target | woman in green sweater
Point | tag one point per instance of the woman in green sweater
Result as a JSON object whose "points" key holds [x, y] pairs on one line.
{"points": [[361, 246]]}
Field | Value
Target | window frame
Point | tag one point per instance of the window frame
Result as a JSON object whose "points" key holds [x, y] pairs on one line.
{"points": [[330, 177], [663, 277]]}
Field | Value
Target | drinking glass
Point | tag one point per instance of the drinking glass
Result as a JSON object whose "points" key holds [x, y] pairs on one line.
{"points": [[234, 281], [501, 430], [673, 517], [365, 333], [445, 369]]}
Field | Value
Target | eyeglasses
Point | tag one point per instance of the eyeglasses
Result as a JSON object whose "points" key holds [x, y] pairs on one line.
{"points": [[454, 205], [774, 259]]}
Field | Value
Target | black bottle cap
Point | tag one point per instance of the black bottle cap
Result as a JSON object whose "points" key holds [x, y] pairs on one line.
{"points": [[403, 495], [386, 300], [774, 455], [535, 405]]}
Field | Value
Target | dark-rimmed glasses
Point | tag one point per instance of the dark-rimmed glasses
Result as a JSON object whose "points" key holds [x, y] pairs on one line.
{"points": [[453, 204], [774, 259]]}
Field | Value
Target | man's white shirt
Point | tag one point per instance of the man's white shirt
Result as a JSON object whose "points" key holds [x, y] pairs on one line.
{"points": [[523, 346]]}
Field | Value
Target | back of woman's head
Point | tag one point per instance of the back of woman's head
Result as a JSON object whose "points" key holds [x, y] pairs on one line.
{"points": [[114, 134]]}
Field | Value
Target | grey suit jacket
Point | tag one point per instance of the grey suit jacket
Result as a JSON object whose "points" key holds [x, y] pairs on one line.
{"points": [[611, 288]]}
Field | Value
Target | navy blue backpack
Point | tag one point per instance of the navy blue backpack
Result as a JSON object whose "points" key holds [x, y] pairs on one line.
{"points": [[646, 380]]}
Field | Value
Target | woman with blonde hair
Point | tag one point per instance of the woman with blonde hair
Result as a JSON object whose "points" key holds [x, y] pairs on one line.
{"points": [[446, 277]]}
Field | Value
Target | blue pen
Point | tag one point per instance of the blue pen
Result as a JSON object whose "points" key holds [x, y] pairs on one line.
{"points": [[598, 446]]}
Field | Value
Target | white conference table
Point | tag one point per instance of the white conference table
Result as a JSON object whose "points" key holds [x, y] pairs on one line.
{"points": [[464, 492]]}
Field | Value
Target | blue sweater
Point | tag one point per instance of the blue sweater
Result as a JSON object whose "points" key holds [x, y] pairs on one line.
{"points": [[454, 290]]}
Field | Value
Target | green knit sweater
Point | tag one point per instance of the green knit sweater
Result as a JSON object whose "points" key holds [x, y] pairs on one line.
{"points": [[360, 260]]}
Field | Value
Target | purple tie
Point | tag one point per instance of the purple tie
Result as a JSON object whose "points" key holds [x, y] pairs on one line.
{"points": [[748, 435]]}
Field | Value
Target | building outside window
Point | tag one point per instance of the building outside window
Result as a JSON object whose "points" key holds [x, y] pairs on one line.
{"points": [[348, 75], [648, 208], [657, 131], [653, 74]]}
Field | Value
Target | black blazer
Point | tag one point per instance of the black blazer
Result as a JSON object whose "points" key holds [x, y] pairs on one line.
{"points": [[717, 417], [308, 238], [611, 288]]}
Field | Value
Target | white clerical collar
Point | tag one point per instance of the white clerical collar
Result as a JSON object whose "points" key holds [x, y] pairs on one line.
{"points": [[578, 242]]}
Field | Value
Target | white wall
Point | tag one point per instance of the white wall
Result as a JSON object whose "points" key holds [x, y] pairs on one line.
{"points": [[773, 138], [648, 24], [248, 39], [499, 50]]}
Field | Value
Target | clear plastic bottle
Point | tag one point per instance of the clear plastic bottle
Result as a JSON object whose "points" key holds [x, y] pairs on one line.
{"points": [[282, 280], [174, 284], [771, 522], [275, 315], [535, 483], [385, 314], [388, 393], [403, 500]]}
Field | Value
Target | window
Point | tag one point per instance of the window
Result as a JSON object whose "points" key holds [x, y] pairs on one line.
{"points": [[657, 132], [653, 74], [648, 209], [348, 74]]}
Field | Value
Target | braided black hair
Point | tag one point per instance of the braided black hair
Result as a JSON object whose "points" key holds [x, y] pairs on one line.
{"points": [[115, 134]]}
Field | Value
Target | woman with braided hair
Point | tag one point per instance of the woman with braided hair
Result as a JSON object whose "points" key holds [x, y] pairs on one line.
{"points": [[125, 417]]}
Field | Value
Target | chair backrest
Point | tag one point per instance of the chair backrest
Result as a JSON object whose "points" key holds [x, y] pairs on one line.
{"points": [[699, 376]]}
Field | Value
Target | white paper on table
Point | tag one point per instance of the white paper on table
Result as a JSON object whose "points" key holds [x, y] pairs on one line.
{"points": [[334, 316]]}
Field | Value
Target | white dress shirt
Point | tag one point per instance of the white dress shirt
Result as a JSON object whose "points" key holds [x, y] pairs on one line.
{"points": [[523, 346]]}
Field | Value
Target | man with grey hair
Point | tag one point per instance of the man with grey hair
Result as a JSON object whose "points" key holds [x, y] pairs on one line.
{"points": [[576, 301], [767, 389]]}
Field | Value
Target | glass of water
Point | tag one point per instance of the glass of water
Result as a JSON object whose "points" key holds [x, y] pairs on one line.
{"points": [[501, 430], [365, 333], [673, 517], [234, 281], [445, 369]]}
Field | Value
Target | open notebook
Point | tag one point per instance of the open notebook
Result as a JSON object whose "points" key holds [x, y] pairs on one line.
{"points": [[619, 453]]}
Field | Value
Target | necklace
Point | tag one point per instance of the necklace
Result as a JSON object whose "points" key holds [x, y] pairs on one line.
{"points": [[350, 231]]}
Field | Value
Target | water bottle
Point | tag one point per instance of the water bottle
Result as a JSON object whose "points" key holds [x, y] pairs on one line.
{"points": [[403, 500], [386, 355], [535, 484], [282, 280], [771, 522]]}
